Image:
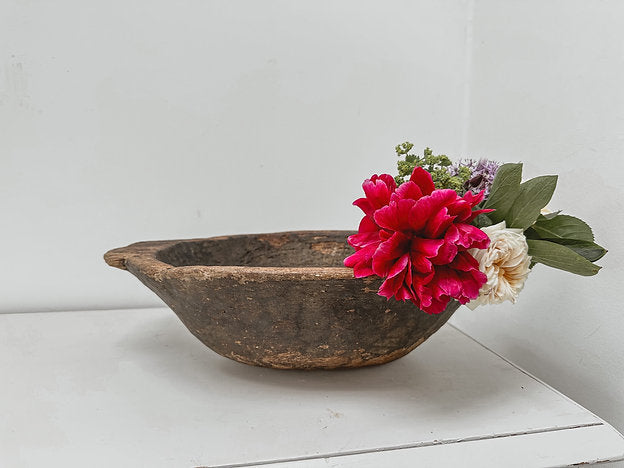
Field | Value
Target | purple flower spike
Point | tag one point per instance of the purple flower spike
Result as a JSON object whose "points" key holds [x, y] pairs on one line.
{"points": [[482, 173]]}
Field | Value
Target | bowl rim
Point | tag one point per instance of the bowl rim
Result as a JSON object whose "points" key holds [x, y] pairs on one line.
{"points": [[143, 257]]}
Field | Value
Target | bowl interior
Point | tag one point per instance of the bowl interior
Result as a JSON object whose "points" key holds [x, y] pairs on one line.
{"points": [[292, 249]]}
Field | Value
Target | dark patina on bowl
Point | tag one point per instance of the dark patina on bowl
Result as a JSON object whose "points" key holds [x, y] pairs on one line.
{"points": [[281, 300]]}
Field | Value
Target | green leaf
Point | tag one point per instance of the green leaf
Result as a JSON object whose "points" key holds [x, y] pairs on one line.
{"points": [[482, 221], [563, 227], [589, 250], [561, 257], [534, 194], [529, 233], [505, 188]]}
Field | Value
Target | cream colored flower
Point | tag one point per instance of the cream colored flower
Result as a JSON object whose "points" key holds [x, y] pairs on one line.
{"points": [[505, 262]]}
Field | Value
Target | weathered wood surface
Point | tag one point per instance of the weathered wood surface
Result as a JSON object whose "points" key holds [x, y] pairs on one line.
{"points": [[279, 300]]}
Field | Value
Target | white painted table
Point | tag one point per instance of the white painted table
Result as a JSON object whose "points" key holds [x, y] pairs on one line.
{"points": [[133, 388]]}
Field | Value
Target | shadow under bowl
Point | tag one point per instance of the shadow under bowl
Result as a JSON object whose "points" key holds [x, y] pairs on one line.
{"points": [[281, 300]]}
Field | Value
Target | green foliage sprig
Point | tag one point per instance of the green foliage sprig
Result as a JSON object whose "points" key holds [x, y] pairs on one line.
{"points": [[437, 166]]}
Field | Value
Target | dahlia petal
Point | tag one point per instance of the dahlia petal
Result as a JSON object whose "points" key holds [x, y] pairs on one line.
{"points": [[469, 197], [447, 283], [425, 207], [446, 254], [437, 225], [384, 235], [478, 276], [448, 250], [425, 298], [377, 191], [408, 278], [390, 286], [399, 266], [361, 261], [420, 263], [404, 207], [408, 190], [423, 179], [387, 217], [363, 239], [472, 237], [452, 234], [461, 209], [362, 270], [403, 294], [368, 233], [474, 199], [427, 247], [420, 213], [368, 225], [355, 258], [388, 253], [365, 205], [476, 213], [387, 288], [404, 291], [440, 198], [389, 181], [422, 279], [395, 216], [470, 286], [437, 306], [444, 197], [464, 262]]}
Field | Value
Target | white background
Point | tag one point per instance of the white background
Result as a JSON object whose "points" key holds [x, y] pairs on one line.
{"points": [[126, 121]]}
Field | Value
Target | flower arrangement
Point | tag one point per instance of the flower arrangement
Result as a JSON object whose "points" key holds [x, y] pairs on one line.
{"points": [[470, 231]]}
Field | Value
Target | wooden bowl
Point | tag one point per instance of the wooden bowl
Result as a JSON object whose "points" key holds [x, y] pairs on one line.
{"points": [[280, 300]]}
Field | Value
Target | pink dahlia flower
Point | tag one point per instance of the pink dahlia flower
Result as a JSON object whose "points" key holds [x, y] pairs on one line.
{"points": [[417, 238]]}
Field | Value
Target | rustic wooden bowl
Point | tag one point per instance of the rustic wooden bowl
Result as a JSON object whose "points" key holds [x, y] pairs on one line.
{"points": [[280, 300]]}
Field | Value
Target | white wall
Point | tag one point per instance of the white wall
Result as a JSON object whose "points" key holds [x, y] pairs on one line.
{"points": [[547, 89], [126, 121]]}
